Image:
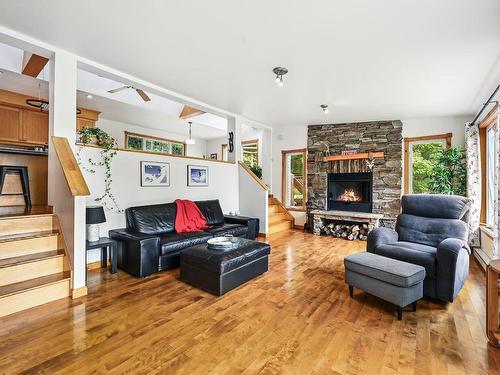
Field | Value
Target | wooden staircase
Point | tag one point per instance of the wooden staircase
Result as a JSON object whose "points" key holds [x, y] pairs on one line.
{"points": [[34, 265], [279, 217]]}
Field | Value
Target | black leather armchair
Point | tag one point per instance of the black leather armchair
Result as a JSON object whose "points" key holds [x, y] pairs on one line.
{"points": [[150, 244]]}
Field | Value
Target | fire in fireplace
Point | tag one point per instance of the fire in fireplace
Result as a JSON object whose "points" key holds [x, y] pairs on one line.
{"points": [[350, 192], [349, 195]]}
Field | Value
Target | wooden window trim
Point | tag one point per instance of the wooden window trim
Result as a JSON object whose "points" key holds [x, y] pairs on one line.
{"points": [[251, 142], [283, 177], [222, 148], [145, 136], [408, 140], [488, 120]]}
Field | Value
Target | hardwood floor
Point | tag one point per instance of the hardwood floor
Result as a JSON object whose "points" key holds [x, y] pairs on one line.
{"points": [[296, 319]]}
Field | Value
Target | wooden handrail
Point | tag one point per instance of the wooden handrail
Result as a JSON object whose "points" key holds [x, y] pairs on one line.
{"points": [[72, 173], [262, 184]]}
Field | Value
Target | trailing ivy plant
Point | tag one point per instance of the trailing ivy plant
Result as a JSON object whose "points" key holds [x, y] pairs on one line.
{"points": [[256, 170], [449, 175], [108, 146]]}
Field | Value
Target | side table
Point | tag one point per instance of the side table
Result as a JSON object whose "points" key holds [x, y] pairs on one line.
{"points": [[104, 243], [492, 323]]}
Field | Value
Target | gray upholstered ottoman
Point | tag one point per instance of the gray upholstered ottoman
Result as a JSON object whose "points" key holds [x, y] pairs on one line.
{"points": [[394, 281]]}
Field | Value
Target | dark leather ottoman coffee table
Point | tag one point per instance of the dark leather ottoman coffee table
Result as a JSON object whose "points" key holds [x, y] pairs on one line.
{"points": [[219, 271]]}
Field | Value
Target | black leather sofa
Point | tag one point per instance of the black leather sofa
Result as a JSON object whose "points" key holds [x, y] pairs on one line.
{"points": [[150, 244]]}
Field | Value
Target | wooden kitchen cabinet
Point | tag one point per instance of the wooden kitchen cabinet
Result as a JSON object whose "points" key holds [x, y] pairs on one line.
{"points": [[84, 123], [35, 128], [10, 124]]}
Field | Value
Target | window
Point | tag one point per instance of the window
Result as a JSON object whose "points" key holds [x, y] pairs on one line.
{"points": [[421, 154], [491, 165], [250, 152], [293, 185], [488, 139], [144, 142]]}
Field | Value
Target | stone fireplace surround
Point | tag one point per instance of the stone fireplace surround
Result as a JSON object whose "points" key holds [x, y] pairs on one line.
{"points": [[373, 136]]}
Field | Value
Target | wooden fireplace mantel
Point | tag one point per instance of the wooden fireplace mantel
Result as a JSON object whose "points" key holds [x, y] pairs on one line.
{"points": [[365, 155]]}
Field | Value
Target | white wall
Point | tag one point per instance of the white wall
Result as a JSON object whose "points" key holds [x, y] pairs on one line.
{"points": [[286, 138], [437, 125], [214, 146], [223, 185], [252, 199], [117, 130]]}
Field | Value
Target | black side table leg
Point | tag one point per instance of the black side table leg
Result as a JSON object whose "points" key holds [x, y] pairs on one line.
{"points": [[104, 257], [114, 257]]}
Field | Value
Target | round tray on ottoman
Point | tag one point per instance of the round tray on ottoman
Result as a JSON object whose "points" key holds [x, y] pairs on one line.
{"points": [[218, 271]]}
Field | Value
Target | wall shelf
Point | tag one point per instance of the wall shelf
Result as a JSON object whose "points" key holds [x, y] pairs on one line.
{"points": [[365, 155]]}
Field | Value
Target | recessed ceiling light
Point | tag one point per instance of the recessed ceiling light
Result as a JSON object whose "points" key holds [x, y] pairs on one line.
{"points": [[280, 72], [89, 96], [324, 107]]}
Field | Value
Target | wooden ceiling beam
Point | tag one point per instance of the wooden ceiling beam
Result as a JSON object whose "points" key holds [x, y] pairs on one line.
{"points": [[33, 64], [188, 112]]}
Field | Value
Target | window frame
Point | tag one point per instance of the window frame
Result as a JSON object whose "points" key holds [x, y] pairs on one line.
{"points": [[284, 154], [408, 142], [152, 139], [490, 120], [250, 142]]}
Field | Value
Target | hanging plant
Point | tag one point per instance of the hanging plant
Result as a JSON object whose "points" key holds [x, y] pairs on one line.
{"points": [[98, 137]]}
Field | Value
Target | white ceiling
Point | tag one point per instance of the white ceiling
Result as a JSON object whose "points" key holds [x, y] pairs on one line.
{"points": [[125, 106], [367, 59]]}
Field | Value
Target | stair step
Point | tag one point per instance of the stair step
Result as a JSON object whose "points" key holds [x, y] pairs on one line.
{"points": [[27, 235], [273, 208], [32, 266], [278, 216], [25, 224], [28, 243], [26, 294], [7, 262], [280, 226]]}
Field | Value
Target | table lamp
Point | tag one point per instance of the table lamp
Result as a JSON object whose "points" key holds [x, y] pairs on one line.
{"points": [[95, 216]]}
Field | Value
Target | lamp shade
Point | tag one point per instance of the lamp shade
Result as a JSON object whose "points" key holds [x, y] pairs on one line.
{"points": [[95, 215]]}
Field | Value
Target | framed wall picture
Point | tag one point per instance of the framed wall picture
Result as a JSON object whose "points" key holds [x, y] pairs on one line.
{"points": [[213, 156], [197, 175], [154, 173]]}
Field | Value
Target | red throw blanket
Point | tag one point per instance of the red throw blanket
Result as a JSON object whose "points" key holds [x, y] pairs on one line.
{"points": [[188, 217]]}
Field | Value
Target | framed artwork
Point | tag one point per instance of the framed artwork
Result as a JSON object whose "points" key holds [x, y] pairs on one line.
{"points": [[213, 156], [155, 173], [197, 175]]}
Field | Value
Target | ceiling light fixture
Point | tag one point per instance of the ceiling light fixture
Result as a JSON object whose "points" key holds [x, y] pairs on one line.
{"points": [[280, 72], [89, 96], [190, 140], [324, 107]]}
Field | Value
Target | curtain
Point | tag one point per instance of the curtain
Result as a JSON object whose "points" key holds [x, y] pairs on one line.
{"points": [[496, 228], [473, 181]]}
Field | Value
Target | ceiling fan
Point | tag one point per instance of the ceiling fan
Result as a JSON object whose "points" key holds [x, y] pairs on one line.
{"points": [[141, 93]]}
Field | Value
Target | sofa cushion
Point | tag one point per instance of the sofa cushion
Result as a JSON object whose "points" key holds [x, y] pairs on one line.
{"points": [[410, 252], [177, 241], [212, 211], [389, 270], [153, 219], [236, 230], [435, 205], [429, 231]]}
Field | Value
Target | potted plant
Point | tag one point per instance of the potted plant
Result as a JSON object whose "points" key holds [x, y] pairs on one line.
{"points": [[100, 138]]}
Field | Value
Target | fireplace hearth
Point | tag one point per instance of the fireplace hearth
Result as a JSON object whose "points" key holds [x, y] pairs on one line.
{"points": [[350, 192]]}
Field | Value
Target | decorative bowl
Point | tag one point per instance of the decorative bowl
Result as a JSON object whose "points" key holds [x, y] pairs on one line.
{"points": [[223, 243]]}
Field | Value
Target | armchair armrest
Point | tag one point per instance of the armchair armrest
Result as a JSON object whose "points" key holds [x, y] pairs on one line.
{"points": [[380, 236], [452, 258], [251, 222], [138, 253]]}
